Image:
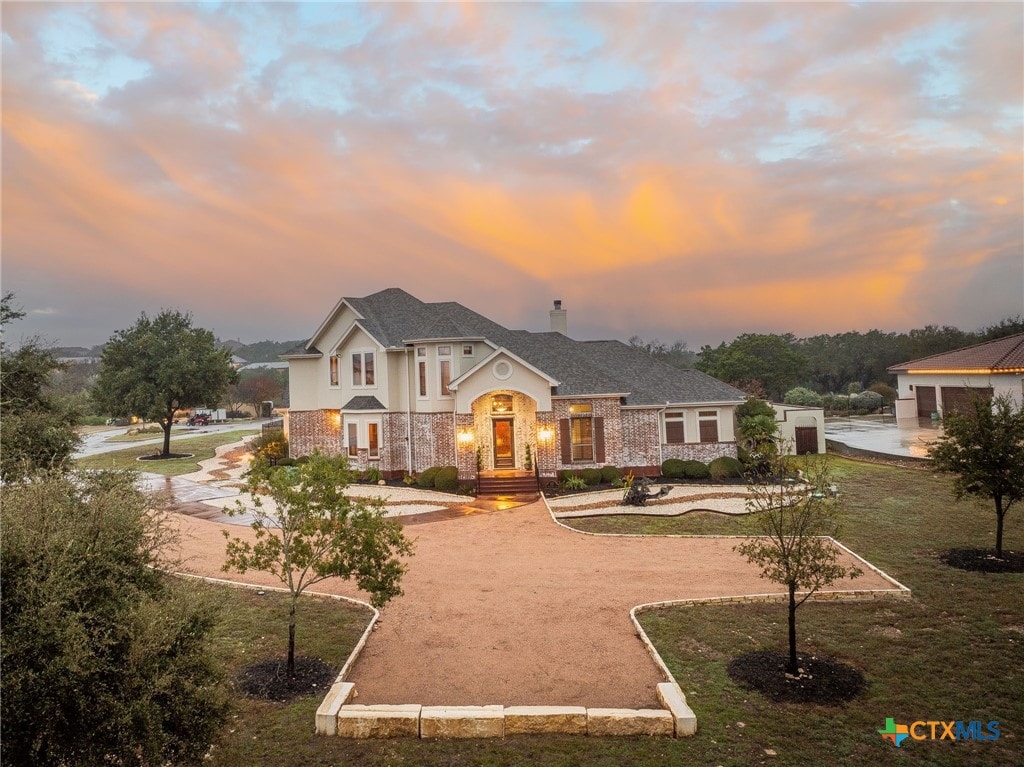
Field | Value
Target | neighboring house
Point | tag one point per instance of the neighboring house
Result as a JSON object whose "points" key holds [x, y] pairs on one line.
{"points": [[403, 385], [801, 428], [942, 383]]}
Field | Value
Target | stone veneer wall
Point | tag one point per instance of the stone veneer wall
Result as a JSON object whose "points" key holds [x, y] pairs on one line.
{"points": [[310, 430], [699, 451]]}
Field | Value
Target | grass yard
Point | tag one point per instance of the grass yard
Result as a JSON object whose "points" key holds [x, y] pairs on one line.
{"points": [[953, 652], [202, 447]]}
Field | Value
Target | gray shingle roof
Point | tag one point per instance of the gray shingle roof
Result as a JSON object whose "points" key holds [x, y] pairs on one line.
{"points": [[582, 368], [363, 403]]}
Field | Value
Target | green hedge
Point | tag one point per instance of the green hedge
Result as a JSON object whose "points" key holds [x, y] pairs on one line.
{"points": [[611, 475], [672, 468], [447, 479], [426, 477], [695, 470], [591, 476], [725, 467]]}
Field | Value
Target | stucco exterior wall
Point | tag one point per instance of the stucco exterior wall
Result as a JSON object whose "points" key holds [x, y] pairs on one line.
{"points": [[487, 380], [1011, 385]]}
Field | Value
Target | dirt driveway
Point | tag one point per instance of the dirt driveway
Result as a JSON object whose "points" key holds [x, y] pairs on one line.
{"points": [[508, 607]]}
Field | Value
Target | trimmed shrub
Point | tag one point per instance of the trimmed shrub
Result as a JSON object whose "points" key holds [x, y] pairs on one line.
{"points": [[672, 468], [611, 475], [725, 467], [802, 396], [287, 462], [591, 476], [854, 388], [573, 481], [447, 479], [695, 470], [372, 475], [426, 477], [270, 446], [866, 400], [888, 393]]}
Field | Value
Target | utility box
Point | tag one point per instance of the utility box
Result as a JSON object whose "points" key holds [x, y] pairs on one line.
{"points": [[267, 409]]}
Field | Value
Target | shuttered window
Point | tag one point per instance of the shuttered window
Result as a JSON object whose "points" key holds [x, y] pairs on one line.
{"points": [[582, 436], [675, 433], [708, 422]]}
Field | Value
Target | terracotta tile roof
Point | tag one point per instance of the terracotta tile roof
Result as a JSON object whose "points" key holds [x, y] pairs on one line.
{"points": [[1002, 355]]}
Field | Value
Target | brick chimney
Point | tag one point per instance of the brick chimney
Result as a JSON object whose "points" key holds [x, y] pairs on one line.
{"points": [[559, 322]]}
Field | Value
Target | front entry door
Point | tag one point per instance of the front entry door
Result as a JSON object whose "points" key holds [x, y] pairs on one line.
{"points": [[504, 444]]}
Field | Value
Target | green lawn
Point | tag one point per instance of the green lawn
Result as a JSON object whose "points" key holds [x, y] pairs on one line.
{"points": [[202, 447], [953, 652]]}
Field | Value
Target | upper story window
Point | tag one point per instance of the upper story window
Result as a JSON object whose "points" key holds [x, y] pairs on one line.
{"points": [[707, 420], [334, 370], [421, 371], [581, 429], [363, 369], [467, 350], [444, 369], [675, 433]]}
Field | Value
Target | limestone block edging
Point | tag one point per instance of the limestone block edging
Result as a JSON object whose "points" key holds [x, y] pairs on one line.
{"points": [[528, 720], [380, 721], [628, 721], [462, 722]]}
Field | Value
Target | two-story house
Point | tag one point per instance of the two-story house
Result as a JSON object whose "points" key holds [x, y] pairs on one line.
{"points": [[403, 385]]}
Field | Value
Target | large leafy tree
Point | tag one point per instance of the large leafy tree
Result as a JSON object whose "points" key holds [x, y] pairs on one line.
{"points": [[983, 446], [793, 549], [159, 366], [37, 430], [105, 660], [307, 530], [771, 360]]}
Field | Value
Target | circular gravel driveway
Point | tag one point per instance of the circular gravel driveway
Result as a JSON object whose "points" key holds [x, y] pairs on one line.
{"points": [[508, 607]]}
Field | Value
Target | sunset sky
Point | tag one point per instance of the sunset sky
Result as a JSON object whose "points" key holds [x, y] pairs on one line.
{"points": [[680, 171]]}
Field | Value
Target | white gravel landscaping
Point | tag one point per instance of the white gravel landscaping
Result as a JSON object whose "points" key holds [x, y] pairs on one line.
{"points": [[724, 499]]}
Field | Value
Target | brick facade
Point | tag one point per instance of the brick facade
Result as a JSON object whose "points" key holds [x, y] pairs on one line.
{"points": [[310, 430], [433, 440], [631, 437], [641, 437]]}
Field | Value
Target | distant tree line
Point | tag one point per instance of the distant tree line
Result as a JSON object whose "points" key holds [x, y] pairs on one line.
{"points": [[770, 364]]}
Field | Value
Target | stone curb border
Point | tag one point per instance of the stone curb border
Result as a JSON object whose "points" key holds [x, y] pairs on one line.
{"points": [[337, 717]]}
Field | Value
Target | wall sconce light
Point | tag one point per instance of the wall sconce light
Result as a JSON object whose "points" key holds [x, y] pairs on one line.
{"points": [[545, 434], [466, 436]]}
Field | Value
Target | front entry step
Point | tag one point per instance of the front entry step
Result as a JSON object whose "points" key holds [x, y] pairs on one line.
{"points": [[508, 485]]}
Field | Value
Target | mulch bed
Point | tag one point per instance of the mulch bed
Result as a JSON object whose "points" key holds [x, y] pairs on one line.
{"points": [[824, 681], [269, 680], [984, 560]]}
